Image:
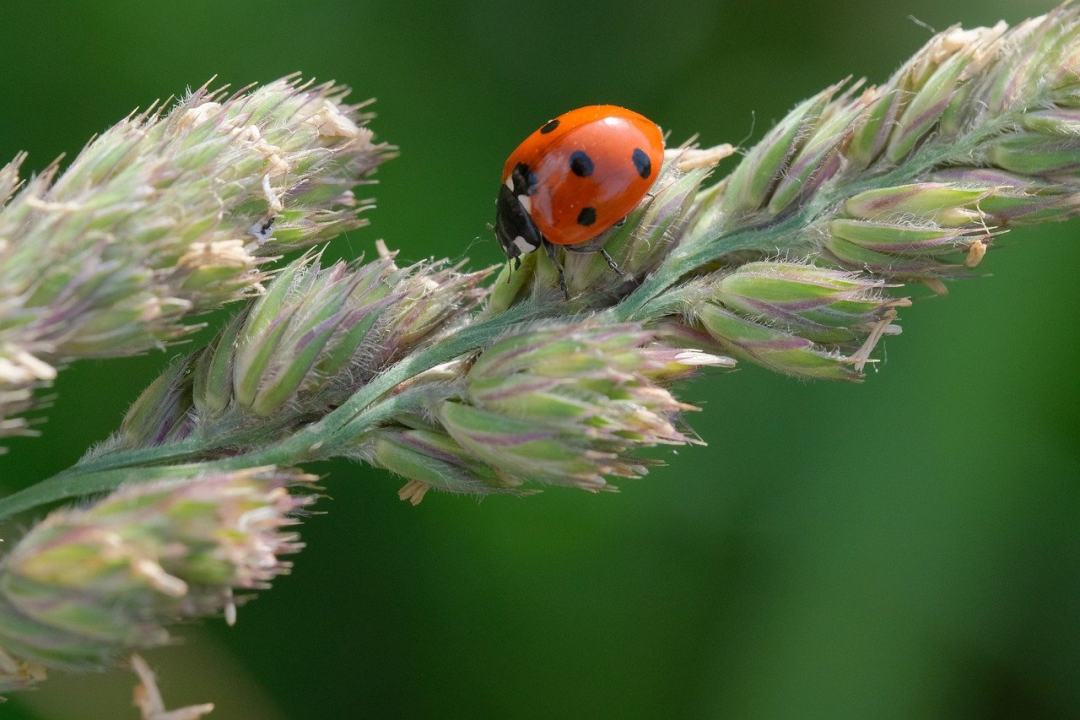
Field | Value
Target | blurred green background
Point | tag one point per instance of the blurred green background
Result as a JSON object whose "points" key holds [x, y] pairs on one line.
{"points": [[902, 549]]}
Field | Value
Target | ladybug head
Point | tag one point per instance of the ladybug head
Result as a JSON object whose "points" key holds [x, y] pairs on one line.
{"points": [[514, 228]]}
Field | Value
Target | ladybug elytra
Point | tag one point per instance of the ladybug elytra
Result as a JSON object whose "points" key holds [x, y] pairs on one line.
{"points": [[574, 178]]}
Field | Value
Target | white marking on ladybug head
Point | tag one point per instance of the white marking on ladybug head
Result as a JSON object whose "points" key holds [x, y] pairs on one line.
{"points": [[509, 183], [526, 202], [524, 246]]}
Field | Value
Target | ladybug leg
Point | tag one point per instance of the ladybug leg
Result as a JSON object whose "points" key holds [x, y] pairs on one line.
{"points": [[514, 264], [611, 263], [549, 248], [596, 245]]}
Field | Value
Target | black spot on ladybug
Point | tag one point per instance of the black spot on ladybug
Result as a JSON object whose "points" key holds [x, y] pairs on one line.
{"points": [[524, 179], [642, 163], [549, 126], [587, 216], [581, 164]]}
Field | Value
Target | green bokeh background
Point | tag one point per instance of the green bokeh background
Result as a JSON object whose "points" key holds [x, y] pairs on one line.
{"points": [[906, 548]]}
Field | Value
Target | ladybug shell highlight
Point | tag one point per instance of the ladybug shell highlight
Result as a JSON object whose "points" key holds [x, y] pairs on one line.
{"points": [[575, 177]]}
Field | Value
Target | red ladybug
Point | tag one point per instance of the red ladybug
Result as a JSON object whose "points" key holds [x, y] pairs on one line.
{"points": [[576, 177]]}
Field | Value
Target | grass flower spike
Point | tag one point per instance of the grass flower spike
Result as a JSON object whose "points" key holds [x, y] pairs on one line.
{"points": [[570, 405], [295, 340], [796, 319], [299, 351], [166, 215], [85, 585]]}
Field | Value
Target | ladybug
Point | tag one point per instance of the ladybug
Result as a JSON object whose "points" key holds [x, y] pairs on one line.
{"points": [[574, 178]]}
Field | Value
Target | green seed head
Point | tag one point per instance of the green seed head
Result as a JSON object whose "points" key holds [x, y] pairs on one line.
{"points": [[433, 459], [432, 299], [931, 203], [773, 348], [829, 307], [300, 336], [755, 178], [570, 404], [904, 239], [86, 585], [174, 212], [1036, 154]]}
